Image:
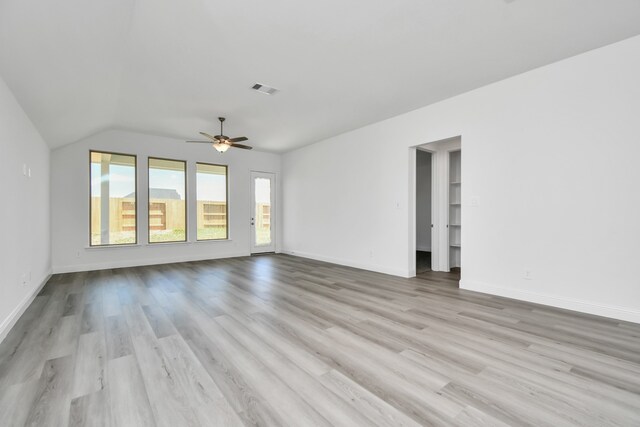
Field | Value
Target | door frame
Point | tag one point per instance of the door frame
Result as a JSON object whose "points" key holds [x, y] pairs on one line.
{"points": [[253, 249], [439, 150]]}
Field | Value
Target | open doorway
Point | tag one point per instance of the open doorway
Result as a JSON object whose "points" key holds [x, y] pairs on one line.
{"points": [[438, 210], [423, 211]]}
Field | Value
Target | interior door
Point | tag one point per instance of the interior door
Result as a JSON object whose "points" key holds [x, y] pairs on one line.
{"points": [[263, 211]]}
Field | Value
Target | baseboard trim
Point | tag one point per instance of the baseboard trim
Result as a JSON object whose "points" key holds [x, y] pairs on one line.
{"points": [[347, 263], [141, 263], [618, 313], [13, 317]]}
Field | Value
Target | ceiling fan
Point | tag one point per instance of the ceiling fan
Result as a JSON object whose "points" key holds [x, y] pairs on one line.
{"points": [[222, 142]]}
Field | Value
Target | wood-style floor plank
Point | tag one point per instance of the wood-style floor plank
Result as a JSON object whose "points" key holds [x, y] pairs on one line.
{"points": [[277, 340], [127, 395], [53, 393]]}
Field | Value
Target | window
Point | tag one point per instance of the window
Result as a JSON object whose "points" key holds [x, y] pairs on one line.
{"points": [[212, 209], [112, 209], [167, 200]]}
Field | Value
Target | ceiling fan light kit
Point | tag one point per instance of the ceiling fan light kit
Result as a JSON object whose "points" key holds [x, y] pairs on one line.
{"points": [[222, 142], [221, 147]]}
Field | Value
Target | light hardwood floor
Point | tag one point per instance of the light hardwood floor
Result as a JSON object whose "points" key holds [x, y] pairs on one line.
{"points": [[279, 340]]}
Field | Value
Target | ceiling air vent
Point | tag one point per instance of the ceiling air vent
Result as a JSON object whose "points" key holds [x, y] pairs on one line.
{"points": [[267, 90]]}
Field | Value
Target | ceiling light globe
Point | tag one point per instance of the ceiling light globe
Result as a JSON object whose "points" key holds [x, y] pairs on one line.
{"points": [[221, 147]]}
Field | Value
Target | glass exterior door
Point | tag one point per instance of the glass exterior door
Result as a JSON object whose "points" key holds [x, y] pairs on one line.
{"points": [[262, 212]]}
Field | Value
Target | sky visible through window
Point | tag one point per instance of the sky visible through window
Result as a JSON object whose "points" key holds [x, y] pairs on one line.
{"points": [[167, 179], [120, 177], [263, 190], [211, 187]]}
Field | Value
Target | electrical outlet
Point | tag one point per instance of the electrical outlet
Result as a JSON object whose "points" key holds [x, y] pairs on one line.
{"points": [[24, 279], [371, 253], [527, 275]]}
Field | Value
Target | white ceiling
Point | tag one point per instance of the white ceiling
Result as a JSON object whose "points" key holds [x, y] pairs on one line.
{"points": [[171, 67]]}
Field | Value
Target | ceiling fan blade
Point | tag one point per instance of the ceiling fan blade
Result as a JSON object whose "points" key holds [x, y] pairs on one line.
{"points": [[244, 147], [202, 142], [239, 139], [213, 138]]}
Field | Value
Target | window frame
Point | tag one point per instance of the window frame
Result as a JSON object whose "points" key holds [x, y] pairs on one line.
{"points": [[186, 202], [226, 213], [135, 184]]}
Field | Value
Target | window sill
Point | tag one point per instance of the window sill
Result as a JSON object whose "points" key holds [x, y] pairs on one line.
{"points": [[139, 245], [187, 243], [131, 245], [167, 243]]}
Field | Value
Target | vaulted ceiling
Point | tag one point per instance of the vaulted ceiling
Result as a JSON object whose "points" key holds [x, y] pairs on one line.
{"points": [[171, 67]]}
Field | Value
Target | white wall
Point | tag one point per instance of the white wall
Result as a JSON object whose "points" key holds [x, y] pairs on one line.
{"points": [[25, 250], [423, 201], [70, 202], [552, 158]]}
